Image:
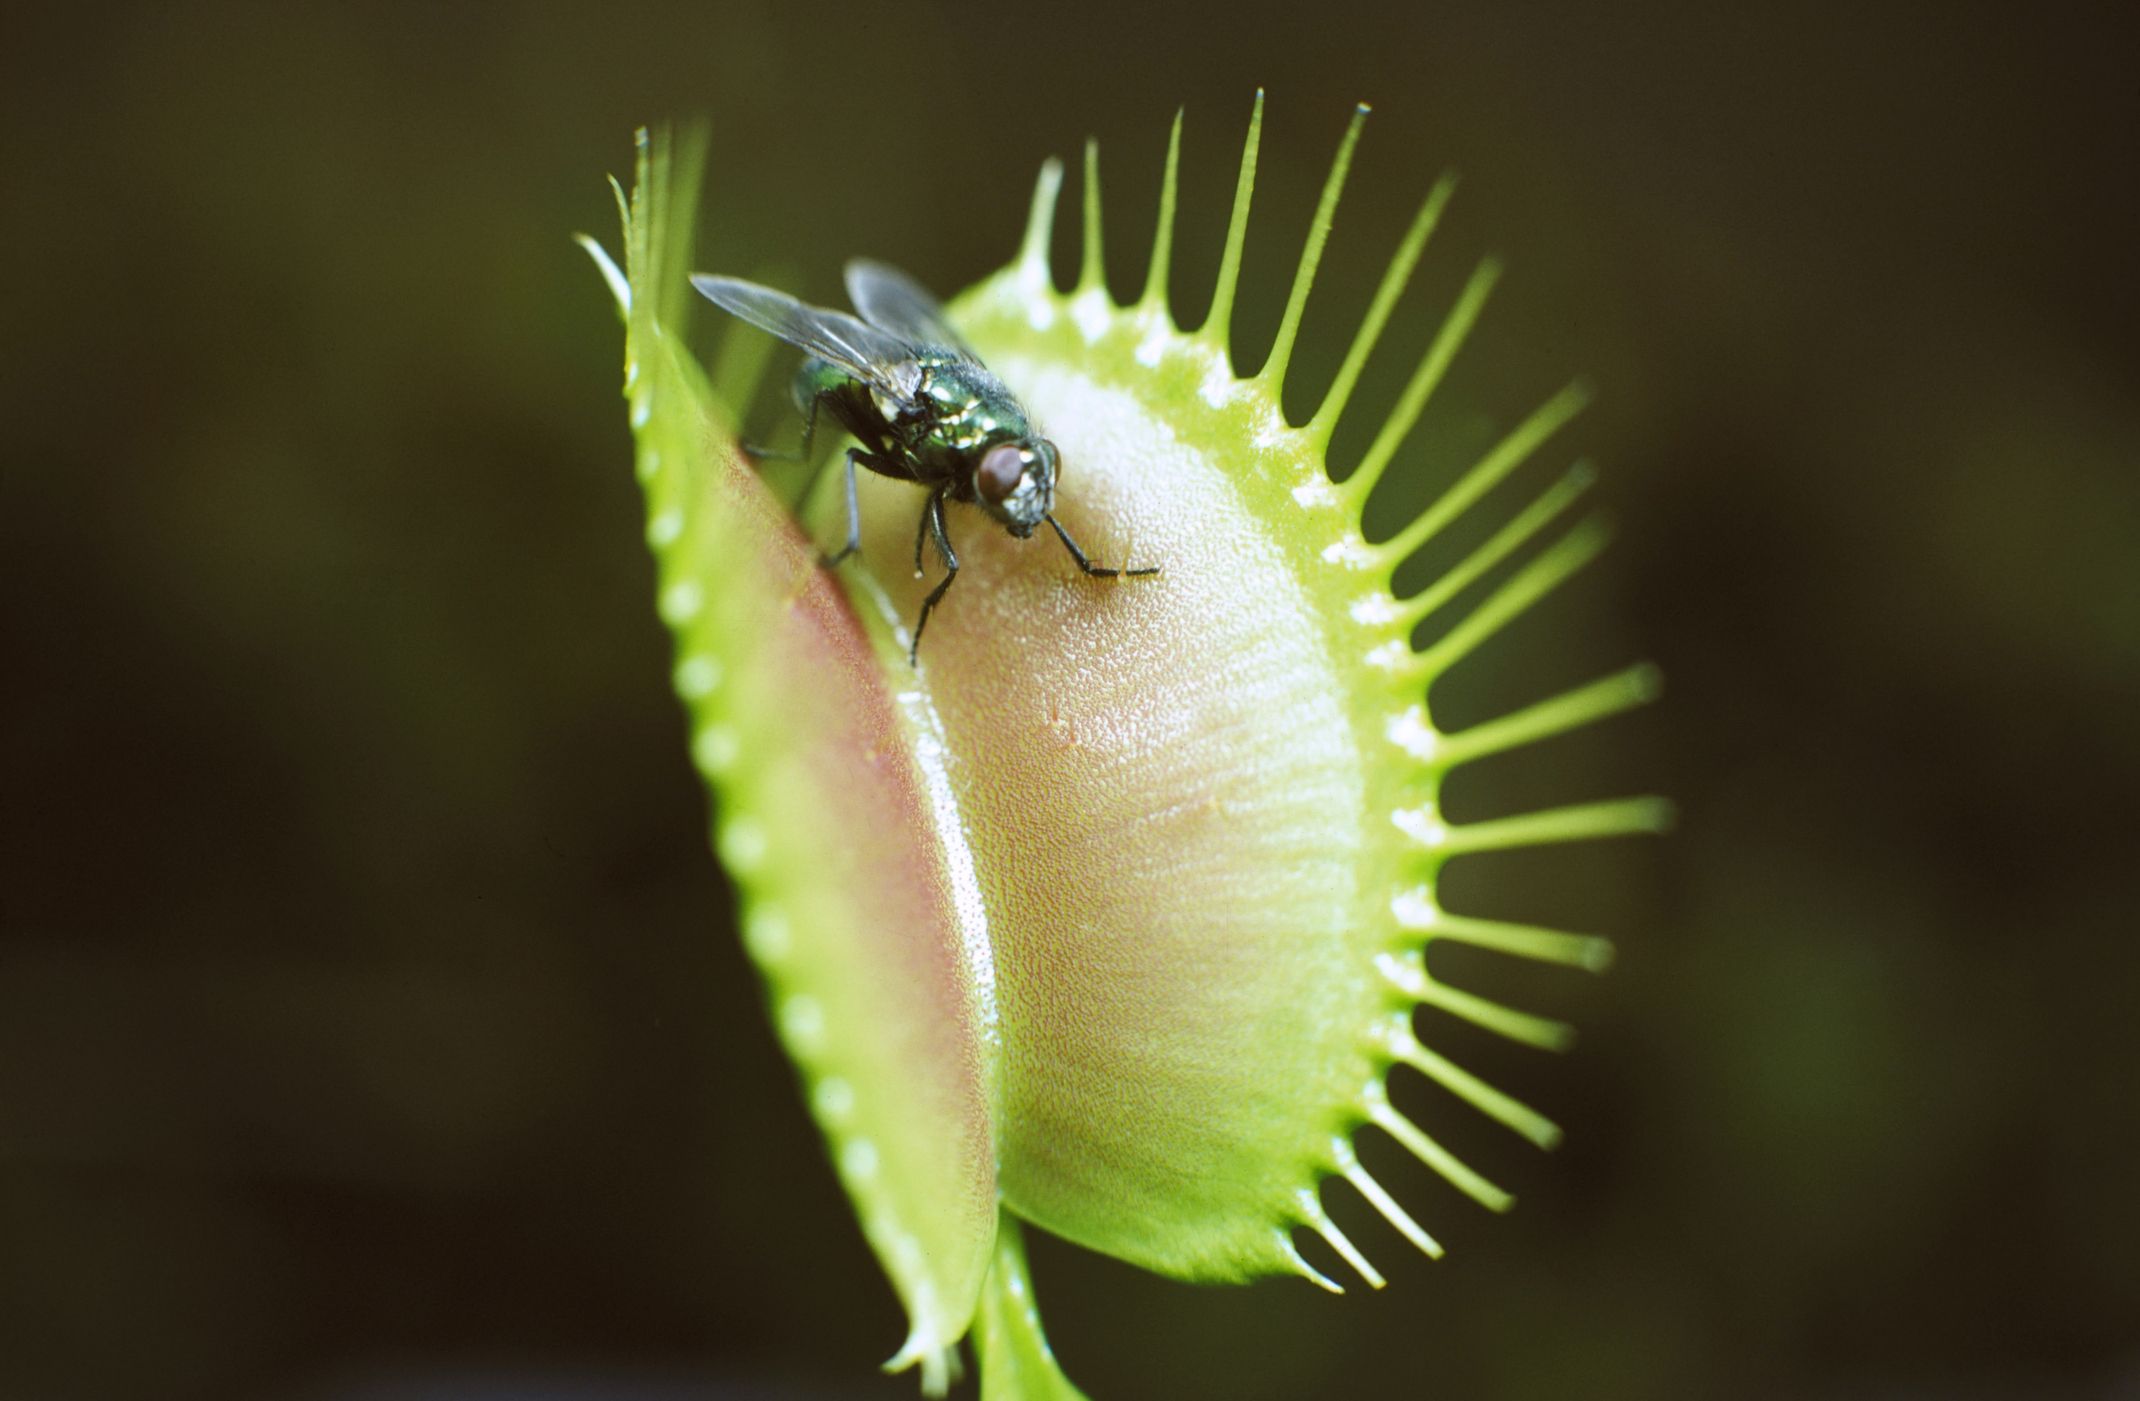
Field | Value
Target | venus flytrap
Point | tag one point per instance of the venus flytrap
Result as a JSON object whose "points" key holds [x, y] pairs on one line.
{"points": [[1111, 916]]}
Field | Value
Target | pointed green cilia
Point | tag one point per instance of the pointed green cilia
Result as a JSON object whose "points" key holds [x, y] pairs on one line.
{"points": [[1111, 917]]}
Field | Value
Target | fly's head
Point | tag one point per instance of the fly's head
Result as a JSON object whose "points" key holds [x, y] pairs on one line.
{"points": [[1015, 483]]}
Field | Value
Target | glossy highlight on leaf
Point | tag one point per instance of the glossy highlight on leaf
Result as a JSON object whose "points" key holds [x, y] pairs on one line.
{"points": [[1111, 917]]}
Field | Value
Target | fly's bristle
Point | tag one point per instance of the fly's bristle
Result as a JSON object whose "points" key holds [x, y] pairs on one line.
{"points": [[1034, 277], [1218, 326], [1582, 706], [1155, 277], [1311, 254], [1616, 817], [1498, 547], [1396, 1215], [1544, 573], [1092, 267], [1459, 1174], [1503, 458], [1392, 286], [1425, 378]]}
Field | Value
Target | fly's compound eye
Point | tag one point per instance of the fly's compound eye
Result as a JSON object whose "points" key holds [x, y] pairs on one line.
{"points": [[1002, 468]]}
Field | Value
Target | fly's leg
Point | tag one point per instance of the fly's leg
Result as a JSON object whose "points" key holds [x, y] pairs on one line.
{"points": [[921, 533], [758, 452], [932, 517], [1097, 571], [854, 512], [809, 432]]}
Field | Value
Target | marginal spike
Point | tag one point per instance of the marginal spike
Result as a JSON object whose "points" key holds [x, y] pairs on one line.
{"points": [[619, 287], [1459, 1173], [1524, 1027], [1447, 341], [1303, 1268], [1391, 1212], [1522, 589], [1616, 817], [676, 182], [1092, 269], [1416, 910], [1503, 458], [684, 156], [1318, 1220], [1497, 548], [1584, 705], [1155, 277], [657, 230], [1033, 275], [1311, 254], [624, 202], [1394, 279], [1495, 1104], [1586, 951], [1219, 324], [939, 1365], [635, 234]]}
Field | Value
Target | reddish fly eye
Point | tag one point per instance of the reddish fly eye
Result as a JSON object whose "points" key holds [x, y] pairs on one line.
{"points": [[1001, 469]]}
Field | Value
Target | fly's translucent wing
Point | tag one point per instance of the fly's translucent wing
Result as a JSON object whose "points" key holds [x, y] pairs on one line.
{"points": [[863, 351], [891, 301]]}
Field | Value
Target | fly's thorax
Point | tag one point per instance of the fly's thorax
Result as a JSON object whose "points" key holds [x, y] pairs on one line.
{"points": [[968, 408]]}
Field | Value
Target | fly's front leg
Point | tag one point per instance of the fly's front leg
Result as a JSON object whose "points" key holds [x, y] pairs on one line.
{"points": [[856, 457], [932, 519], [1097, 571]]}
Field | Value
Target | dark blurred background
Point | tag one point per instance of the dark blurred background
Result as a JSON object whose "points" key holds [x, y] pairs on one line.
{"points": [[371, 1019]]}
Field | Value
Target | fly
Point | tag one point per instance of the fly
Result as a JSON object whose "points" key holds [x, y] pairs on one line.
{"points": [[922, 407]]}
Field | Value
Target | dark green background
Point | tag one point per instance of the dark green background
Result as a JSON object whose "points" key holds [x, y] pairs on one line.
{"points": [[371, 1022]]}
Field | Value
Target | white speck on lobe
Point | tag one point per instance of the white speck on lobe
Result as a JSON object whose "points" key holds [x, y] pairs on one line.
{"points": [[1410, 732], [680, 602]]}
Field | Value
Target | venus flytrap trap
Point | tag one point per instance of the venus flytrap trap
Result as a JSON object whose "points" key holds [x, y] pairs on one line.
{"points": [[1111, 916]]}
